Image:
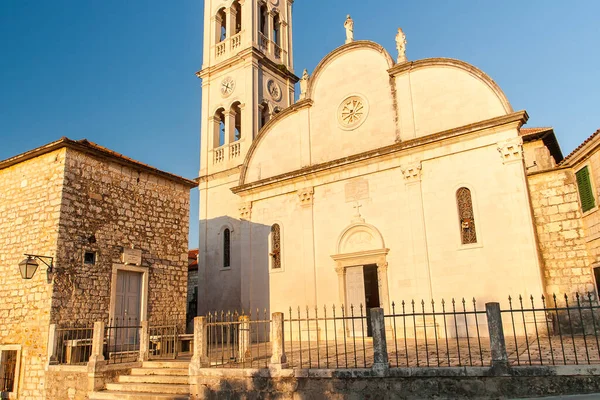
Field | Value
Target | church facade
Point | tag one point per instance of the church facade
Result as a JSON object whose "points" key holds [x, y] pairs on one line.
{"points": [[387, 180]]}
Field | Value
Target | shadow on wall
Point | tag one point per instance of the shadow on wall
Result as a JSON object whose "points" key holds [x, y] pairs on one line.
{"points": [[234, 263]]}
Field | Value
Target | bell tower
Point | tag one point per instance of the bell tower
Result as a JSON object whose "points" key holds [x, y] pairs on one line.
{"points": [[247, 78]]}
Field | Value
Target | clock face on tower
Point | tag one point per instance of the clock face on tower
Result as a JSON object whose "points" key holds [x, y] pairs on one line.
{"points": [[227, 86]]}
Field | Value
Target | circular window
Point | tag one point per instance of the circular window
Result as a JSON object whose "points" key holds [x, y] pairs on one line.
{"points": [[352, 112]]}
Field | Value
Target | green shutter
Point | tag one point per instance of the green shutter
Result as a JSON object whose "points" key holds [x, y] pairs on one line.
{"points": [[586, 194]]}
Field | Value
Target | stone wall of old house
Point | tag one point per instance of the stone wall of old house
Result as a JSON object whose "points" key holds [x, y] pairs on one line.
{"points": [[561, 232], [106, 207], [591, 218], [30, 203]]}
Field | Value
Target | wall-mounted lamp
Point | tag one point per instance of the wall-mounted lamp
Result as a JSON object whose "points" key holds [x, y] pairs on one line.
{"points": [[28, 266]]}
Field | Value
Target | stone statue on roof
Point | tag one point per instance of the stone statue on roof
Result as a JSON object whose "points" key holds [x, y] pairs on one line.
{"points": [[304, 84], [349, 25], [401, 46]]}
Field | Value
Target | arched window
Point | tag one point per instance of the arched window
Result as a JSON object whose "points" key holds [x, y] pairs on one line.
{"points": [[237, 112], [262, 19], [264, 112], [221, 21], [237, 9], [277, 30], [466, 217], [219, 139], [226, 248], [275, 246]]}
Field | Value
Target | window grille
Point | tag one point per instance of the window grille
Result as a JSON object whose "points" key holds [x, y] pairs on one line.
{"points": [[226, 248], [275, 246], [586, 194], [466, 217]]}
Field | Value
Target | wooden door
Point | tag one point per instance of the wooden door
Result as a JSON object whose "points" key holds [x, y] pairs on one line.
{"points": [[128, 306]]}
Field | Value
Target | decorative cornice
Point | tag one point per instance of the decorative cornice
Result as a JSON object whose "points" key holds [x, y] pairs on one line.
{"points": [[246, 211], [519, 117], [306, 196], [221, 174], [511, 150], [412, 172], [450, 62]]}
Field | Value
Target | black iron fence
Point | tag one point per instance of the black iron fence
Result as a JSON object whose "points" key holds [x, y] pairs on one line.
{"points": [[421, 335], [122, 340], [168, 340], [328, 338], [8, 365], [552, 331], [72, 344], [239, 340]]}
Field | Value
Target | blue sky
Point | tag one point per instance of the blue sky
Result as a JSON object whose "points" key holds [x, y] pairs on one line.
{"points": [[121, 73]]}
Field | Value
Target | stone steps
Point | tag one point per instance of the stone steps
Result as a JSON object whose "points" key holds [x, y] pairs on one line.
{"points": [[104, 395], [164, 388], [155, 380], [168, 379], [160, 371]]}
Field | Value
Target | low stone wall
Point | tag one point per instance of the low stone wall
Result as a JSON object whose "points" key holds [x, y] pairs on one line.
{"points": [[401, 383], [65, 382]]}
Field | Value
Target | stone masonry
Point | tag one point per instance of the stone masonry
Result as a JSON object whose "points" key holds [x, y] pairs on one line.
{"points": [[561, 232], [62, 200]]}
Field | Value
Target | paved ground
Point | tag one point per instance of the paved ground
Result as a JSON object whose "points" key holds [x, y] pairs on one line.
{"points": [[578, 397]]}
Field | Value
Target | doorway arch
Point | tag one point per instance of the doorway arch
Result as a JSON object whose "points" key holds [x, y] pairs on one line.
{"points": [[361, 245]]}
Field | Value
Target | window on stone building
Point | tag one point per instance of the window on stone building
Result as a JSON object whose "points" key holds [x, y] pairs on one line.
{"points": [[226, 248], [263, 109], [237, 8], [586, 193], [9, 369], [221, 25], [262, 16], [276, 30], [89, 258], [275, 246], [237, 112], [597, 277], [466, 217]]}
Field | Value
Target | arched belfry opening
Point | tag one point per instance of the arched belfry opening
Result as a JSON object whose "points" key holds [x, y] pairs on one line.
{"points": [[236, 9], [361, 265], [221, 21]]}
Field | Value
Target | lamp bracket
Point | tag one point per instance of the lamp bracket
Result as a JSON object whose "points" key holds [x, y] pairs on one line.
{"points": [[42, 259]]}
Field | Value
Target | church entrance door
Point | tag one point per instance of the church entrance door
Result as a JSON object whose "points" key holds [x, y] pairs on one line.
{"points": [[362, 289]]}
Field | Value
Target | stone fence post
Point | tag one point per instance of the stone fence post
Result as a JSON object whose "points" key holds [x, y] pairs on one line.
{"points": [[497, 342], [278, 358], [97, 364], [381, 363], [244, 339], [144, 341], [200, 356]]}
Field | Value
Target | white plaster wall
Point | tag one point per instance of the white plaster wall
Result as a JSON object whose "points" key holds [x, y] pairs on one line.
{"points": [[279, 149], [361, 71], [419, 223], [446, 97]]}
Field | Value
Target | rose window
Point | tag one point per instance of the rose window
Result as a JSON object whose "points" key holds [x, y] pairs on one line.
{"points": [[352, 112]]}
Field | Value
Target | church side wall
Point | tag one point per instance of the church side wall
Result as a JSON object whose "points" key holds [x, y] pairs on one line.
{"points": [[418, 220], [561, 232], [219, 288], [29, 215], [107, 207]]}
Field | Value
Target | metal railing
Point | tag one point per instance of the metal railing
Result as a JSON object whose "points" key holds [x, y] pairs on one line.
{"points": [[338, 338], [8, 365], [73, 344], [122, 340], [560, 331], [168, 340], [423, 336], [239, 340]]}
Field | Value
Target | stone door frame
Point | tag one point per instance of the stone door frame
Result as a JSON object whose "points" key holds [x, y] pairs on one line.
{"points": [[143, 292], [368, 257]]}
